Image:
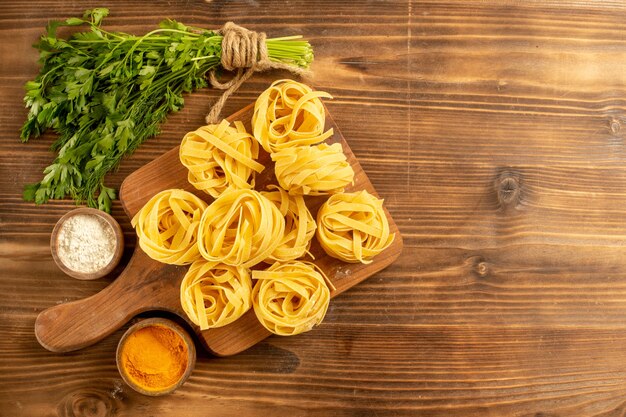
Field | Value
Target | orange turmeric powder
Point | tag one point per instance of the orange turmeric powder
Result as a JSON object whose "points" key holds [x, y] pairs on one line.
{"points": [[154, 357]]}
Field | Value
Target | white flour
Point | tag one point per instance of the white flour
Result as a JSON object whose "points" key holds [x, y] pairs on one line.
{"points": [[86, 243]]}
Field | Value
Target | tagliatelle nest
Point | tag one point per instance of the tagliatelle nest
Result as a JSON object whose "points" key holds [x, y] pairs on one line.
{"points": [[289, 114], [290, 298], [220, 157], [214, 294], [240, 228], [299, 225], [353, 227], [313, 170], [167, 225]]}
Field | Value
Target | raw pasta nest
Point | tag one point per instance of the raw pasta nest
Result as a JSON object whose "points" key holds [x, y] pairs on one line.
{"points": [[290, 298], [353, 227], [220, 157], [214, 294], [167, 226], [289, 114], [313, 170], [240, 228], [299, 225]]}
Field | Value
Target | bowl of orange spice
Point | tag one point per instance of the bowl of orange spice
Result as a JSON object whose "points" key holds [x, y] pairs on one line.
{"points": [[155, 356]]}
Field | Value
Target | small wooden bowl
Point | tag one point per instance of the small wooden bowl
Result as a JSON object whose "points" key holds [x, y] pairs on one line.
{"points": [[119, 245], [157, 321]]}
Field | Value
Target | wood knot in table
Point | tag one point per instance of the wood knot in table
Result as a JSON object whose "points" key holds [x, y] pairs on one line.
{"points": [[508, 189], [482, 269], [87, 403], [615, 126], [478, 265]]}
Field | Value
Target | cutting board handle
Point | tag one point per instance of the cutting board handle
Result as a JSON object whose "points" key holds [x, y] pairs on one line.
{"points": [[77, 324]]}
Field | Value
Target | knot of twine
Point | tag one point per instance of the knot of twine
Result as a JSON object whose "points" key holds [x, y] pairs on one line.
{"points": [[245, 51]]}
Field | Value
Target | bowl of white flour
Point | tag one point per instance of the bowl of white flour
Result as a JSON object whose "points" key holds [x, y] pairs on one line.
{"points": [[87, 243]]}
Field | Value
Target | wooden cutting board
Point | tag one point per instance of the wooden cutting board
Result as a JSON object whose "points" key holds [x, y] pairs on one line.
{"points": [[148, 285]]}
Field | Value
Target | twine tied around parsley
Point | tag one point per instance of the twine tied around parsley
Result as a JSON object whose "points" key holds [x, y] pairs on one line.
{"points": [[245, 51]]}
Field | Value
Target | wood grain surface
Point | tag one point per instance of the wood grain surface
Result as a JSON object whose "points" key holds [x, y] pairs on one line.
{"points": [[495, 132]]}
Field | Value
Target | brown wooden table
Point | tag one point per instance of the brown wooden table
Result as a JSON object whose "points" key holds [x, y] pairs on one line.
{"points": [[495, 132]]}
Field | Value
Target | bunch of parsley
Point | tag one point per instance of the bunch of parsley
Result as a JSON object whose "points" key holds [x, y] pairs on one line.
{"points": [[104, 93]]}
